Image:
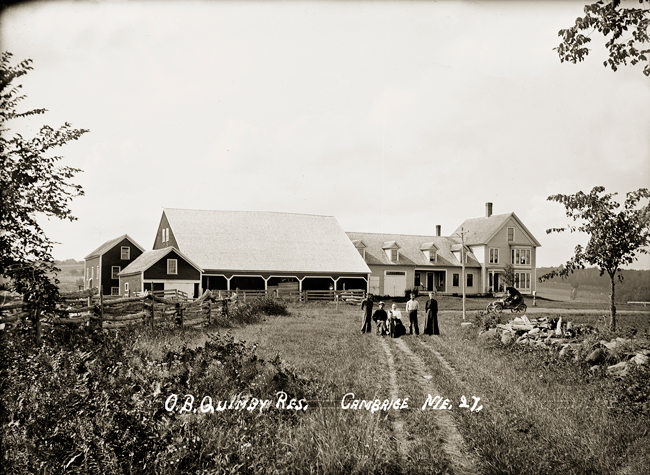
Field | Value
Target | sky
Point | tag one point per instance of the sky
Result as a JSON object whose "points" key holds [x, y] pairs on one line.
{"points": [[391, 116]]}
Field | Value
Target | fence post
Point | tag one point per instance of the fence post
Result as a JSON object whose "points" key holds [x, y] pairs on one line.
{"points": [[209, 311], [101, 309], [153, 304]]}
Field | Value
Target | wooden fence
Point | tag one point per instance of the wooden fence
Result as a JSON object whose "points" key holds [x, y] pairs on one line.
{"points": [[84, 307]]}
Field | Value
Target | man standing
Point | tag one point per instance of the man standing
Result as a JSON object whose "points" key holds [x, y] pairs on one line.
{"points": [[412, 309], [431, 308], [366, 307]]}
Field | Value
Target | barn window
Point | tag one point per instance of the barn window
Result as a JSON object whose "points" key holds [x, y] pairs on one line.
{"points": [[114, 271], [115, 291], [126, 253], [172, 266]]}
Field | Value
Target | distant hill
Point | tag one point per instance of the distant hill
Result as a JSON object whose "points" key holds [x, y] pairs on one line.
{"points": [[634, 287]]}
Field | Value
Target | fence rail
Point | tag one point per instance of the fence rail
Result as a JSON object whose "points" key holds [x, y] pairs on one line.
{"points": [[156, 307], [639, 303]]}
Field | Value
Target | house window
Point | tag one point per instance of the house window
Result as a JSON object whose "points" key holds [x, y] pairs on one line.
{"points": [[456, 280], [521, 257], [114, 271], [417, 279], [166, 234], [92, 273], [494, 255], [115, 291], [393, 255], [433, 256], [126, 287], [522, 280], [162, 238], [511, 234], [470, 280], [126, 253], [172, 266]]}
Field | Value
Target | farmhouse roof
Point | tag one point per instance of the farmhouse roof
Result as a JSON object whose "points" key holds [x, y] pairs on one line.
{"points": [[108, 245], [149, 258], [410, 249], [482, 230], [264, 241]]}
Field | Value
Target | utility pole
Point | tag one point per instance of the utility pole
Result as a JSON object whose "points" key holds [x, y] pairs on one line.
{"points": [[462, 261]]}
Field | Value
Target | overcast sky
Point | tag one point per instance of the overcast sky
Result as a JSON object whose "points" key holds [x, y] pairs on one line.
{"points": [[391, 116]]}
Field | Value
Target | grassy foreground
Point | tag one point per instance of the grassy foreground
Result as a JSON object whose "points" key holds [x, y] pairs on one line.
{"points": [[99, 403]]}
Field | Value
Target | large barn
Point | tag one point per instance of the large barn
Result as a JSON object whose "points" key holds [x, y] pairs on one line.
{"points": [[254, 250]]}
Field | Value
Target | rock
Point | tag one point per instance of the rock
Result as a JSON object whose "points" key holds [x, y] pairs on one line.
{"points": [[566, 351], [619, 369], [558, 329], [596, 357], [525, 319], [491, 333], [569, 326], [521, 327], [594, 368], [507, 338], [534, 330], [641, 359]]}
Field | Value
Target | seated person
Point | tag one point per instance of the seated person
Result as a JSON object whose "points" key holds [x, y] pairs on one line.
{"points": [[380, 317], [514, 298], [395, 326]]}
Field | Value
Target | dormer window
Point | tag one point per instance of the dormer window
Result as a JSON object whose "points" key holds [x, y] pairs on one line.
{"points": [[430, 252], [391, 248], [361, 247]]}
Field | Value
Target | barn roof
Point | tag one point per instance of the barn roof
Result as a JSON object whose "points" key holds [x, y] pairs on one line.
{"points": [[108, 245], [410, 249], [264, 241], [149, 258]]}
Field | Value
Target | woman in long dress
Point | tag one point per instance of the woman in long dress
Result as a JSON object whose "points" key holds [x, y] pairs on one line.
{"points": [[431, 307]]}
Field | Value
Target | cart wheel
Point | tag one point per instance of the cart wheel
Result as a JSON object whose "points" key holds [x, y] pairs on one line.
{"points": [[490, 308], [522, 308], [498, 308]]}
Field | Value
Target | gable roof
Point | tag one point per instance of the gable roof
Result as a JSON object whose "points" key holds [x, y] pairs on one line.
{"points": [[482, 230], [108, 245], [264, 241], [149, 258], [411, 250]]}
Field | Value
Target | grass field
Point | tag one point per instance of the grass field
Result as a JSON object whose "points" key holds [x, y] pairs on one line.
{"points": [[528, 411]]}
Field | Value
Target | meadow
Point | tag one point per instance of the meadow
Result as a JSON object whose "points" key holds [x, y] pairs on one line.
{"points": [[306, 392]]}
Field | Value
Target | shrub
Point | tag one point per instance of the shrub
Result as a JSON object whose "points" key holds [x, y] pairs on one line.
{"points": [[97, 405], [251, 312], [631, 393]]}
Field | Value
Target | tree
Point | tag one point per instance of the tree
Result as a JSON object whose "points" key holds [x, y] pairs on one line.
{"points": [[509, 275], [610, 18], [31, 185], [616, 238]]}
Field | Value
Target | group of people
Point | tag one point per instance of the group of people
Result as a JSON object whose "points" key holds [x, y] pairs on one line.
{"points": [[390, 323]]}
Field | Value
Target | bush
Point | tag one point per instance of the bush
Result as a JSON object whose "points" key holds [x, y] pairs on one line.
{"points": [[95, 404], [632, 392], [251, 312]]}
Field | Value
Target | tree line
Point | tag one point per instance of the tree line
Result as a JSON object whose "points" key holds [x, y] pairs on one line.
{"points": [[635, 285]]}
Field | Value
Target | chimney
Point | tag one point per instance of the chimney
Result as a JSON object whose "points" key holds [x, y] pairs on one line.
{"points": [[488, 210], [437, 230]]}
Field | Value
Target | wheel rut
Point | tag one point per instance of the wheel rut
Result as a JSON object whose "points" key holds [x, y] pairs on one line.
{"points": [[453, 444]]}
